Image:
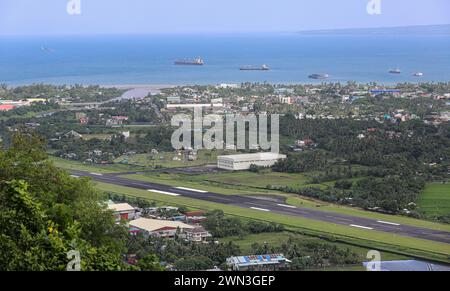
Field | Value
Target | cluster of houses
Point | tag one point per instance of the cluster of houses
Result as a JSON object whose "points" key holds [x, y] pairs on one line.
{"points": [[303, 144], [148, 222]]}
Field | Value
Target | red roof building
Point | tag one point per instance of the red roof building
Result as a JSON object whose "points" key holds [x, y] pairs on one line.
{"points": [[7, 107], [194, 213]]}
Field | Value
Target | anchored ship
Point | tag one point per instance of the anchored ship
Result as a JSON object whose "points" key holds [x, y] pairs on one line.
{"points": [[190, 62], [395, 71], [319, 76], [252, 68]]}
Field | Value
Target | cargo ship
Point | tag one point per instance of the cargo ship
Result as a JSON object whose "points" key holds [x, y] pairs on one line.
{"points": [[190, 62], [395, 71], [252, 68], [319, 76]]}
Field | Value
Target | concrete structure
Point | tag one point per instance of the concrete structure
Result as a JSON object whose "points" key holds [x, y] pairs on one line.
{"points": [[243, 162], [159, 228], [258, 263], [197, 234], [122, 211]]}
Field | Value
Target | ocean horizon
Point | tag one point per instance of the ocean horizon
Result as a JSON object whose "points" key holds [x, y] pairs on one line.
{"points": [[292, 57]]}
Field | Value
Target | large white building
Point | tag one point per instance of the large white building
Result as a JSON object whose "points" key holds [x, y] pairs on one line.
{"points": [[244, 161]]}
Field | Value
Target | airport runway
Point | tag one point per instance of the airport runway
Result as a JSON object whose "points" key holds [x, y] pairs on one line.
{"points": [[268, 205]]}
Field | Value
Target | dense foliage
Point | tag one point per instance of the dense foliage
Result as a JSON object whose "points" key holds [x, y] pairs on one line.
{"points": [[222, 226], [385, 165], [44, 214]]}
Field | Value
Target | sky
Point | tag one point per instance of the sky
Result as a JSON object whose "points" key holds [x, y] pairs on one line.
{"points": [[50, 17]]}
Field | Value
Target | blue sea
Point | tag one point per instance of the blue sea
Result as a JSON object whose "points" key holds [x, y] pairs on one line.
{"points": [[149, 59]]}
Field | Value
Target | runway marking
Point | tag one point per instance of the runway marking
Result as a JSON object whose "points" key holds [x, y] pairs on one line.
{"points": [[287, 206], [96, 174], [339, 218], [190, 189], [360, 226], [260, 209], [163, 192], [386, 222]]}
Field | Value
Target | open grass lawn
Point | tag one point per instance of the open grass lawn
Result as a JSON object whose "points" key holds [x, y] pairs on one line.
{"points": [[166, 159], [371, 239], [104, 169], [260, 180], [435, 199]]}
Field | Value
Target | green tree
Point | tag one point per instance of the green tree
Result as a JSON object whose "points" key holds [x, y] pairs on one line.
{"points": [[45, 213], [150, 263]]}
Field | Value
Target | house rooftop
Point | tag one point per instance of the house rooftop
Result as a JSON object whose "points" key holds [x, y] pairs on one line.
{"points": [[255, 260], [120, 207], [151, 225]]}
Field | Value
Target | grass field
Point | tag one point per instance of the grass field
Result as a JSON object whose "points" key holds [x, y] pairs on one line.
{"points": [[434, 195], [104, 169], [179, 180], [372, 239], [166, 160], [262, 180], [292, 199], [258, 180], [435, 200], [323, 206]]}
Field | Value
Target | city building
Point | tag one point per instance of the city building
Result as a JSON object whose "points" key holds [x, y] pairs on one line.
{"points": [[173, 99], [244, 161], [122, 211], [272, 262], [159, 228], [285, 100]]}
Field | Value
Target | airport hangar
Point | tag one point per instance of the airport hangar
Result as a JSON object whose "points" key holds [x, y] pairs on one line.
{"points": [[244, 161]]}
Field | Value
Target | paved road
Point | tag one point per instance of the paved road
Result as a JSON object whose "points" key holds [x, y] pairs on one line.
{"points": [[270, 205]]}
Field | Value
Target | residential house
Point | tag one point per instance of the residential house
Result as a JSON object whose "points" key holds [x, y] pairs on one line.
{"points": [[122, 211], [197, 234]]}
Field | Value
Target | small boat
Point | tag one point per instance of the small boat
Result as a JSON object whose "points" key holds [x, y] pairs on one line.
{"points": [[418, 74], [319, 76], [395, 71]]}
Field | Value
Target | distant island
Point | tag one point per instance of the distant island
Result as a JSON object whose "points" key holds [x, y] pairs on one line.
{"points": [[443, 29]]}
